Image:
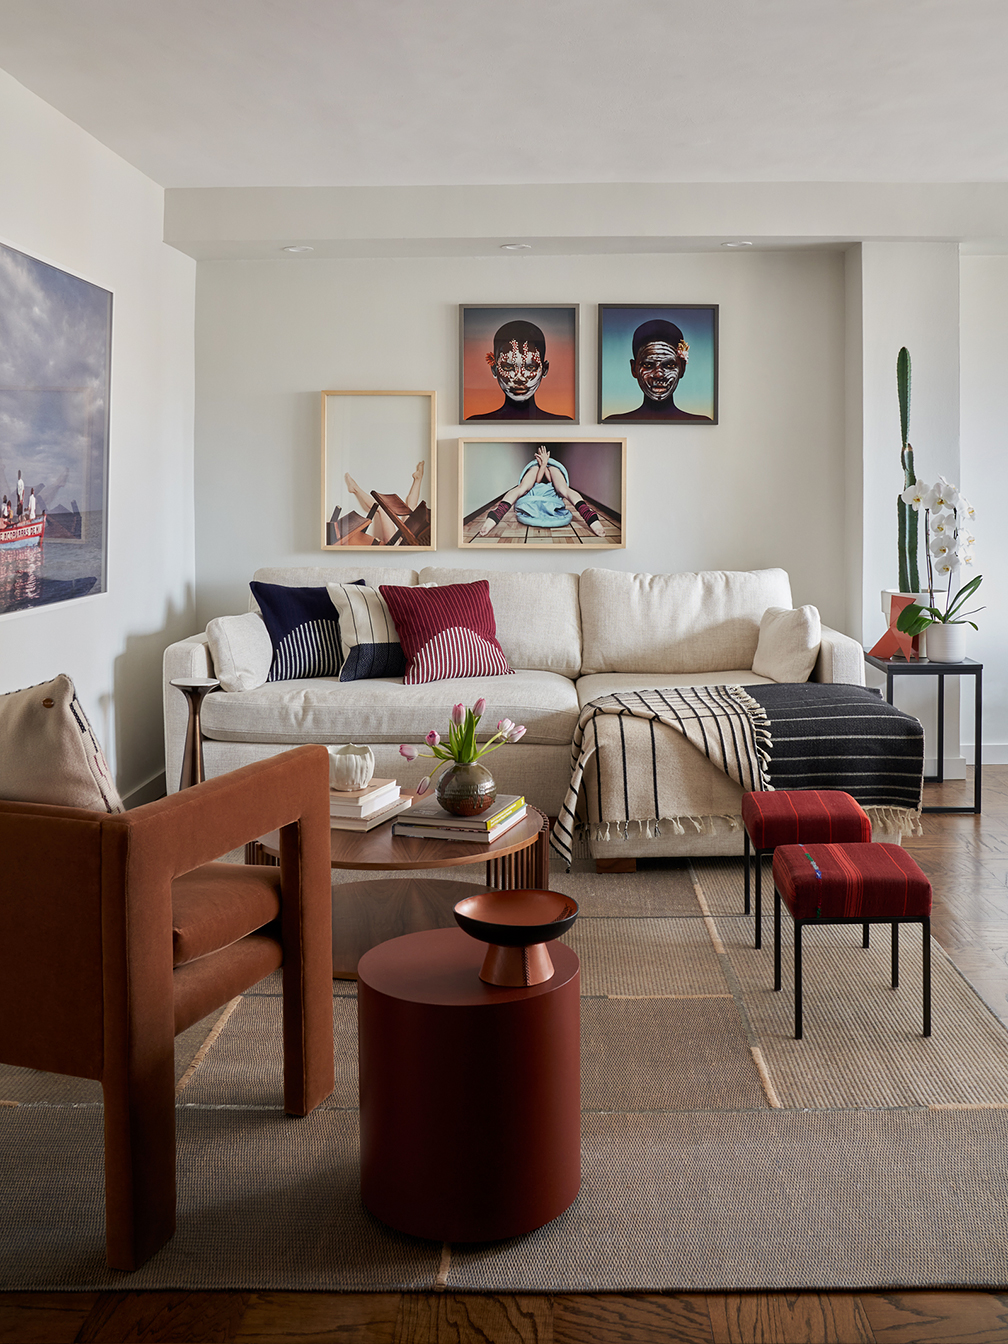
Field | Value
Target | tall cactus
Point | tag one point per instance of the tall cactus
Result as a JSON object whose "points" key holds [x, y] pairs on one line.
{"points": [[909, 580]]}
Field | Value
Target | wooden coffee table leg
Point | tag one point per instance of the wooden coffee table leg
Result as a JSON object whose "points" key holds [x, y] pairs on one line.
{"points": [[529, 868]]}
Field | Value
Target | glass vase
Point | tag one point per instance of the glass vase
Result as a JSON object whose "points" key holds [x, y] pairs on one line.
{"points": [[466, 790]]}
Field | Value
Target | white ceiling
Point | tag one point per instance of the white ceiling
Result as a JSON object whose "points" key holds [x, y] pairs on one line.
{"points": [[227, 93]]}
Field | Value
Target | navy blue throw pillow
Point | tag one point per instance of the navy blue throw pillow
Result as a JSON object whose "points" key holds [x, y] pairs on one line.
{"points": [[304, 629]]}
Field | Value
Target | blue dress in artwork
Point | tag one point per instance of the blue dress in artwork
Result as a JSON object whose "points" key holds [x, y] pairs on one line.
{"points": [[542, 506]]}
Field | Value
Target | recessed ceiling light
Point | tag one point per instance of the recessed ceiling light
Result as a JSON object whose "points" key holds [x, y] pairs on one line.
{"points": [[516, 247], [298, 247], [738, 242]]}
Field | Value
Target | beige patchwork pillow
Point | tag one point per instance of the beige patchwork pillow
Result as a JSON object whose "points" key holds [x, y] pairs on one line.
{"points": [[241, 649], [48, 752], [788, 643]]}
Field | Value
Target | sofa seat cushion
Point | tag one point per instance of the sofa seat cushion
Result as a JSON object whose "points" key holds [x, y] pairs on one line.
{"points": [[612, 683], [219, 903], [385, 710]]}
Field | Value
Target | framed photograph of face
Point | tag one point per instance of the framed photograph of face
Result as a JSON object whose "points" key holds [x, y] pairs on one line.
{"points": [[564, 492], [658, 364], [379, 477], [518, 363]]}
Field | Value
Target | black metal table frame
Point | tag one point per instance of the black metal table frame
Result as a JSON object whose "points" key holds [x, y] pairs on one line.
{"points": [[969, 667]]}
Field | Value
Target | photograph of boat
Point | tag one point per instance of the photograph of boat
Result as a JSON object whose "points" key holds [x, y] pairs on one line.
{"points": [[19, 536], [55, 375]]}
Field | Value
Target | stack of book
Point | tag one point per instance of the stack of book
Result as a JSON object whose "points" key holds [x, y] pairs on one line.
{"points": [[429, 821], [362, 809]]}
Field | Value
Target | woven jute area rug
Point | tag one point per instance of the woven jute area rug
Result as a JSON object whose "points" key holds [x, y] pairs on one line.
{"points": [[719, 1153]]}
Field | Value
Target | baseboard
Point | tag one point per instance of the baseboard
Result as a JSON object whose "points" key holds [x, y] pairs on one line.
{"points": [[955, 766], [146, 793]]}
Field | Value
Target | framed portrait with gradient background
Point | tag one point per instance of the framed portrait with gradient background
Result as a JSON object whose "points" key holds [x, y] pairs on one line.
{"points": [[658, 364], [518, 363]]}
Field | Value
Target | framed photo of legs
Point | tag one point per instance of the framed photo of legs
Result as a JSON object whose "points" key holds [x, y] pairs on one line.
{"points": [[379, 470], [542, 493]]}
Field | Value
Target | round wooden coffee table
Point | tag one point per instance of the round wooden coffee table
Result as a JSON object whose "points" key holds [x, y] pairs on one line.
{"points": [[370, 912]]}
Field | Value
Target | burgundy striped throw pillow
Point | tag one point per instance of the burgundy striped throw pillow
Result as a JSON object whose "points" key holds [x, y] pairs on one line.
{"points": [[446, 632]]}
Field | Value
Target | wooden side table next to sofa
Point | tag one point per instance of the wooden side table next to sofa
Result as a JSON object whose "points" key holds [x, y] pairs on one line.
{"points": [[369, 912]]}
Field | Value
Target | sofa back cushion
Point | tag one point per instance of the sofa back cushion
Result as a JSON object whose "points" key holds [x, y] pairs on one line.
{"points": [[704, 622], [538, 616]]}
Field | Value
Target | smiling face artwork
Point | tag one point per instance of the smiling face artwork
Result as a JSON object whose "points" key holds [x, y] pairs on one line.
{"points": [[519, 365], [660, 357]]}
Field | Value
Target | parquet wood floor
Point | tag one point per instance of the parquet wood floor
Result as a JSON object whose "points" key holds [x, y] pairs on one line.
{"points": [[967, 860], [512, 533]]}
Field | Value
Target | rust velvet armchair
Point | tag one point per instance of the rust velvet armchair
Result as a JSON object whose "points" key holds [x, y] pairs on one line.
{"points": [[118, 931]]}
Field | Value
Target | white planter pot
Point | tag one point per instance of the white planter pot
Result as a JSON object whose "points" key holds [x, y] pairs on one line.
{"points": [[946, 643]]}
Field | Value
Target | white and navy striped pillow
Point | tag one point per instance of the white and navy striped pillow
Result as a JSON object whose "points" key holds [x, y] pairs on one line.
{"points": [[303, 629], [368, 636]]}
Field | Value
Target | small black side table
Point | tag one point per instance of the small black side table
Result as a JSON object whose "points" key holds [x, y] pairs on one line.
{"points": [[900, 667], [195, 689]]}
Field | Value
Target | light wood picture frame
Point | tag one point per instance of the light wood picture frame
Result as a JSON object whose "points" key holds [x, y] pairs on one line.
{"points": [[514, 496], [379, 470]]}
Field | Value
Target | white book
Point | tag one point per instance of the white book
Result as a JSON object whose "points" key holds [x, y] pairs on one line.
{"points": [[363, 807]]}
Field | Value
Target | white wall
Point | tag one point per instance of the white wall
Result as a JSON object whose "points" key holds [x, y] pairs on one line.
{"points": [[69, 201], [984, 456], [763, 487]]}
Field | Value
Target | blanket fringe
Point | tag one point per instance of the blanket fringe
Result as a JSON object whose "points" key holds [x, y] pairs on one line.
{"points": [[650, 827], [760, 721], [902, 820]]}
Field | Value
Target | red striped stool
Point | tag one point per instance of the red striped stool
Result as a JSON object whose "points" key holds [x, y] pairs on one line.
{"points": [[850, 884], [773, 817]]}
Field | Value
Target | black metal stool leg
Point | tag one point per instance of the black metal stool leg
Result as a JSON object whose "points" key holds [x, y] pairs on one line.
{"points": [[797, 981], [745, 853], [926, 927], [759, 898], [864, 935], [776, 939], [895, 956]]}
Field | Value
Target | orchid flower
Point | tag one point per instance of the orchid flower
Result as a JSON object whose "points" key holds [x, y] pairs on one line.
{"points": [[915, 495], [942, 495]]}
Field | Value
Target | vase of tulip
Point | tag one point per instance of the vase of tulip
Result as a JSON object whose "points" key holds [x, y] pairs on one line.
{"points": [[466, 788]]}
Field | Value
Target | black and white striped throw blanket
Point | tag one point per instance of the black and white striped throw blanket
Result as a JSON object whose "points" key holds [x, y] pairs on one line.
{"points": [[805, 735]]}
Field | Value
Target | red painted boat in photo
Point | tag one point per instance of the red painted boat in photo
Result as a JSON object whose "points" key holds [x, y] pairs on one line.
{"points": [[17, 536]]}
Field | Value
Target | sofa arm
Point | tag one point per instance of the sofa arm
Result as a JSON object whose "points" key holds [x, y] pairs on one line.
{"points": [[841, 659], [190, 659]]}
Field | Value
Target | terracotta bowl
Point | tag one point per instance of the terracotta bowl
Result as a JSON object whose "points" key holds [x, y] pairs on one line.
{"points": [[516, 918]]}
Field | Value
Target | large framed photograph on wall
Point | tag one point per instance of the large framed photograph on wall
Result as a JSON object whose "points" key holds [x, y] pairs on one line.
{"points": [[658, 364], [518, 362], [55, 377], [379, 470], [562, 492]]}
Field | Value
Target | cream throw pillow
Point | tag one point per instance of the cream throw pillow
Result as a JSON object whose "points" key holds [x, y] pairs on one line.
{"points": [[788, 643], [48, 753], [241, 649]]}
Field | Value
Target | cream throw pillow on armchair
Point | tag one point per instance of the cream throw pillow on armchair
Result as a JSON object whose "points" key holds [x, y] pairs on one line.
{"points": [[788, 643], [48, 752]]}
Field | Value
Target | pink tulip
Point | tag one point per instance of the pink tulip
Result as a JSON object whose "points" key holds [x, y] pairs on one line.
{"points": [[432, 738], [505, 726], [424, 784], [410, 752], [516, 733], [479, 708], [458, 715]]}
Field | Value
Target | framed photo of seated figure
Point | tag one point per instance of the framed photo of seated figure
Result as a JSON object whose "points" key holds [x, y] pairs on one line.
{"points": [[543, 493], [379, 470], [658, 364]]}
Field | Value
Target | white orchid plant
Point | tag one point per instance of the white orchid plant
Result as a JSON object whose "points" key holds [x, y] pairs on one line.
{"points": [[461, 746], [948, 531]]}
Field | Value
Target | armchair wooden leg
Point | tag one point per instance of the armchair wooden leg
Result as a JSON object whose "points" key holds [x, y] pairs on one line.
{"points": [[140, 1161], [309, 1073]]}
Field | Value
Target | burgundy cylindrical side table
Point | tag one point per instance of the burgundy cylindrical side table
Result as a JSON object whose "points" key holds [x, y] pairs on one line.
{"points": [[470, 1094]]}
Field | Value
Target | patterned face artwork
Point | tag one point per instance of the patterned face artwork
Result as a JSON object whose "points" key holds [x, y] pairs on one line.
{"points": [[519, 370]]}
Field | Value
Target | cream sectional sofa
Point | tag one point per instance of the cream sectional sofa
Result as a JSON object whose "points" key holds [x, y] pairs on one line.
{"points": [[569, 637]]}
